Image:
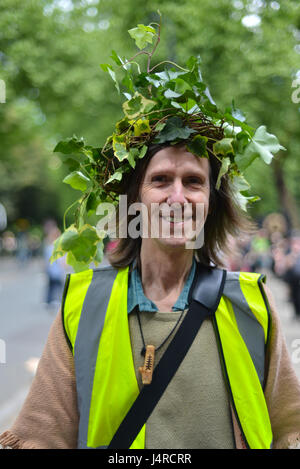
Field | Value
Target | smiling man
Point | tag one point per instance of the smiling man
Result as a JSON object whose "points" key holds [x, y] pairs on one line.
{"points": [[165, 302]]}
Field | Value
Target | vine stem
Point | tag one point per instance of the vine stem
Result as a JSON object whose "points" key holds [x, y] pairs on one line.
{"points": [[154, 48], [168, 62], [69, 208]]}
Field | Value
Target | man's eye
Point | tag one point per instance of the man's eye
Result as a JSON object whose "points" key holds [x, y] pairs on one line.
{"points": [[195, 180], [159, 178]]}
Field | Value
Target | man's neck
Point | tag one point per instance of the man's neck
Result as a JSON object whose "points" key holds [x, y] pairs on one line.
{"points": [[164, 272]]}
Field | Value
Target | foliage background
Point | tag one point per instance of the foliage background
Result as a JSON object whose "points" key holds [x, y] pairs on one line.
{"points": [[50, 52]]}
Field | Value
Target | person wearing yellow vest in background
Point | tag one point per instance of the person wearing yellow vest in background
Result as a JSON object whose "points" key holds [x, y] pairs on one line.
{"points": [[236, 387]]}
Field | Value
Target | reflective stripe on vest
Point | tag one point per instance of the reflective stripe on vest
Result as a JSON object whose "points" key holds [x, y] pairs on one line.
{"points": [[96, 325]]}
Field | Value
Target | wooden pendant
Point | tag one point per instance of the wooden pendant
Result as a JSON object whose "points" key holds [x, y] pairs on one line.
{"points": [[147, 370]]}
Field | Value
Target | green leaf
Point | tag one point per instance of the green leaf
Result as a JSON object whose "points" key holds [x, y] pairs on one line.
{"points": [[263, 145], [170, 94], [108, 68], [73, 145], [120, 151], [117, 176], [119, 146], [159, 126], [197, 146], [116, 58], [141, 126], [77, 180], [81, 243], [173, 130], [137, 105], [223, 147], [68, 239], [143, 151], [131, 159], [133, 154], [77, 266], [223, 170], [181, 86], [239, 185], [122, 125], [99, 252], [143, 35], [92, 202]]}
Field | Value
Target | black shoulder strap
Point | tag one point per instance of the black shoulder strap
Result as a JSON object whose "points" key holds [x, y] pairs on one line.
{"points": [[206, 296]]}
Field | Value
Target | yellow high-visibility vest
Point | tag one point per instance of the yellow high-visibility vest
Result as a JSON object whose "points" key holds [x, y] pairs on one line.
{"points": [[96, 325]]}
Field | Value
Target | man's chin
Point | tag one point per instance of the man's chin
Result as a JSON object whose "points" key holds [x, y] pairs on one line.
{"points": [[173, 243]]}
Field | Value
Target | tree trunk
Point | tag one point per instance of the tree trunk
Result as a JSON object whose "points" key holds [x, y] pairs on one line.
{"points": [[286, 198]]}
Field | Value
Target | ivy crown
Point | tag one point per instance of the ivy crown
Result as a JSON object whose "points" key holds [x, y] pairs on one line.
{"points": [[166, 103]]}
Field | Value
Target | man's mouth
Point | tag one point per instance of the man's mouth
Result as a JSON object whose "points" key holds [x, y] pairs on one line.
{"points": [[171, 219], [178, 217]]}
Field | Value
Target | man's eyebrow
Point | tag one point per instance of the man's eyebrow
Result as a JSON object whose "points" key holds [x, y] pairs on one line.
{"points": [[187, 171]]}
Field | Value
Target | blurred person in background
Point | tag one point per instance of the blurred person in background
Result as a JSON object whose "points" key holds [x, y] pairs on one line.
{"points": [[55, 271], [287, 267], [23, 251], [260, 253]]}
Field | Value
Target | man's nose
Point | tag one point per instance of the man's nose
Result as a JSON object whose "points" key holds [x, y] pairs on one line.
{"points": [[177, 193]]}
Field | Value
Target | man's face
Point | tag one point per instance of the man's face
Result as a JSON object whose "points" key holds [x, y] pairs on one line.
{"points": [[176, 192]]}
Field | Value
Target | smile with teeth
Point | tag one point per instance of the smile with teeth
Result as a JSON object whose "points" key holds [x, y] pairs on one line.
{"points": [[176, 219]]}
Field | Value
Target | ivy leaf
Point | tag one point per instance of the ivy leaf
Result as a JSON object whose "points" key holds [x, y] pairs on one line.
{"points": [[120, 151], [173, 130], [141, 126], [116, 58], [142, 35], [81, 243], [143, 151], [122, 125], [137, 105], [92, 203], [239, 185], [197, 146], [223, 170], [77, 180], [170, 94], [223, 146], [77, 266], [159, 126], [68, 239], [99, 252], [133, 153], [263, 145], [117, 176], [108, 68], [243, 200], [67, 147], [119, 146]]}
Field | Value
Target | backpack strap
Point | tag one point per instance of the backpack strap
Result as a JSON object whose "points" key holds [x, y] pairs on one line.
{"points": [[206, 296]]}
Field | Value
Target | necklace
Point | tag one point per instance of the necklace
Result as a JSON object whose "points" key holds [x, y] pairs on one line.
{"points": [[149, 351]]}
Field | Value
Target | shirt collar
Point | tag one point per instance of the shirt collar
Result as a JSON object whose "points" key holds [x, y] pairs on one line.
{"points": [[136, 296]]}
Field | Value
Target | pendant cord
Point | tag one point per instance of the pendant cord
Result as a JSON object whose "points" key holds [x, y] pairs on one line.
{"points": [[143, 351]]}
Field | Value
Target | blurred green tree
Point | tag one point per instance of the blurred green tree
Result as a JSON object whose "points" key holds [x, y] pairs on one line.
{"points": [[50, 51]]}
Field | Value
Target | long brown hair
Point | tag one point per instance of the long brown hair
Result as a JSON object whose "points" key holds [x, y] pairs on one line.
{"points": [[225, 218]]}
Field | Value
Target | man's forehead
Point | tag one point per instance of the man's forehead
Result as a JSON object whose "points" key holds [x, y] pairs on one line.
{"points": [[176, 158]]}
